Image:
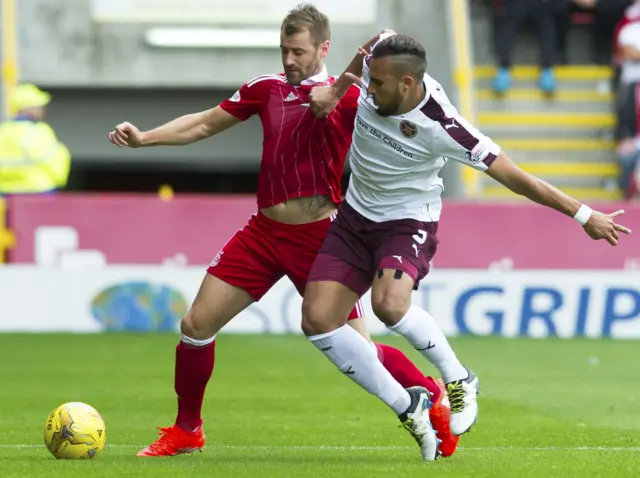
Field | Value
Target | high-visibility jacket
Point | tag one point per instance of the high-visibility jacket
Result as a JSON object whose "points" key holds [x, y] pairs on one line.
{"points": [[32, 160]]}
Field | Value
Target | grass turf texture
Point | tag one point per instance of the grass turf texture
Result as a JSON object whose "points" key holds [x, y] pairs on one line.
{"points": [[276, 407]]}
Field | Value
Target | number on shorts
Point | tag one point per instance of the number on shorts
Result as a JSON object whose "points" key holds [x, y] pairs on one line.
{"points": [[420, 238]]}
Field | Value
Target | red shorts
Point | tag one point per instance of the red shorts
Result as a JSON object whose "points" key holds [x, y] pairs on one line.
{"points": [[264, 251]]}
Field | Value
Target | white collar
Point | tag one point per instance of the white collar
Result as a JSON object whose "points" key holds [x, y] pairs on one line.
{"points": [[321, 77]]}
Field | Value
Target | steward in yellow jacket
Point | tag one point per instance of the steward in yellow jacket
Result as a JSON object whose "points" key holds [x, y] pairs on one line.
{"points": [[32, 160]]}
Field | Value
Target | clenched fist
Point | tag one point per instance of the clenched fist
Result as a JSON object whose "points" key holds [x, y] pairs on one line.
{"points": [[126, 135]]}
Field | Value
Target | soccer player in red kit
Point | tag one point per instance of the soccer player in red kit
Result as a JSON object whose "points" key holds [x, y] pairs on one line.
{"points": [[299, 189]]}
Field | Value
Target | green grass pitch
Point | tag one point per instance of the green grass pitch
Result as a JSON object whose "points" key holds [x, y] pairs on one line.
{"points": [[276, 407]]}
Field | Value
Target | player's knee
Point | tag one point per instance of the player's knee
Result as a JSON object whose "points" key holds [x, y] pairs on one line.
{"points": [[193, 327], [389, 307], [315, 318]]}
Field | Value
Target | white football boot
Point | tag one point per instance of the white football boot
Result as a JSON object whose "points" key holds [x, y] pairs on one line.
{"points": [[464, 405], [417, 422]]}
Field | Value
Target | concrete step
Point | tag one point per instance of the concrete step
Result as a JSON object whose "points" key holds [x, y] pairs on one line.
{"points": [[496, 104], [542, 157], [547, 144], [572, 169], [563, 150], [595, 78], [578, 100], [603, 86], [547, 119], [579, 95], [565, 138], [549, 132], [577, 73]]}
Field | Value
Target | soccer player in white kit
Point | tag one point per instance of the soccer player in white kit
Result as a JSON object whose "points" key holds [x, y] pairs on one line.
{"points": [[385, 233]]}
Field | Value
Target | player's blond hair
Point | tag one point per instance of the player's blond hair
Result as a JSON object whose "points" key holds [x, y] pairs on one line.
{"points": [[306, 16]]}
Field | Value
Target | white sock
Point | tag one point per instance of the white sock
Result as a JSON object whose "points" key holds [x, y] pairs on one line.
{"points": [[355, 357], [422, 331], [195, 342]]}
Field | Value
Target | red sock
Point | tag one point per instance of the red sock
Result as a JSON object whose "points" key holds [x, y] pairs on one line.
{"points": [[194, 366], [404, 370]]}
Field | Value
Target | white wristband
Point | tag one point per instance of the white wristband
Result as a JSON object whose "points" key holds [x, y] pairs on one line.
{"points": [[583, 214]]}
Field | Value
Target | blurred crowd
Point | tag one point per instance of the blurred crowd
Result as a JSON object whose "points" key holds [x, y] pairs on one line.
{"points": [[553, 21], [614, 30], [33, 160], [627, 62]]}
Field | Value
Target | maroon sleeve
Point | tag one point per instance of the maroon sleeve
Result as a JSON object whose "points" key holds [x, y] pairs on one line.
{"points": [[348, 107]]}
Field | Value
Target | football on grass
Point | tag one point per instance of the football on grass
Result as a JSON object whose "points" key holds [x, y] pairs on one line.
{"points": [[75, 430]]}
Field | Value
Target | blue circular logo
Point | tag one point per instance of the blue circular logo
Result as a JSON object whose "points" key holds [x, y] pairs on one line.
{"points": [[139, 306]]}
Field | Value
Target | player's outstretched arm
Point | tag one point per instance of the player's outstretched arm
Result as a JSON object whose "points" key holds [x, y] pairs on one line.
{"points": [[353, 72], [596, 224], [184, 130]]}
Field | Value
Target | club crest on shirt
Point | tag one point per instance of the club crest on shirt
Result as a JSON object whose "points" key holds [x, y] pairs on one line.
{"points": [[216, 260], [408, 129]]}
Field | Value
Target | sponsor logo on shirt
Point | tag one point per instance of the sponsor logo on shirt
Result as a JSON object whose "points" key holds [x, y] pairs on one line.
{"points": [[236, 97], [478, 153], [372, 131]]}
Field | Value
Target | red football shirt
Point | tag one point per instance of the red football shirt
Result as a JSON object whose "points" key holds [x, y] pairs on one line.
{"points": [[301, 155]]}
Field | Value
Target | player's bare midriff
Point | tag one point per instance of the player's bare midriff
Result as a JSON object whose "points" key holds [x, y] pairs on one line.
{"points": [[301, 210]]}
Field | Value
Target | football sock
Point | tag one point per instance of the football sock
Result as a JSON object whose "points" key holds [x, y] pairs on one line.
{"points": [[356, 358], [404, 370], [423, 333], [194, 366]]}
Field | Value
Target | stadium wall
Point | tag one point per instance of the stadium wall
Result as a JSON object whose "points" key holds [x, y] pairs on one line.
{"points": [[153, 298], [90, 263]]}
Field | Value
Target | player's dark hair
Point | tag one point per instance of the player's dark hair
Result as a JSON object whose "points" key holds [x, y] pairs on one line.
{"points": [[408, 50], [306, 16]]}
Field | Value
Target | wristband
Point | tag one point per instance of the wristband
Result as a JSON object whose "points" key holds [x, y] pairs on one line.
{"points": [[583, 214]]}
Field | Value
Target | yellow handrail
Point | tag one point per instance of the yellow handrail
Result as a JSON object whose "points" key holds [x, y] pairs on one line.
{"points": [[463, 78], [7, 238], [9, 53]]}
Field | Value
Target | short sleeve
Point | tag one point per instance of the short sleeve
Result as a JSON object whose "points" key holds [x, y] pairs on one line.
{"points": [[630, 35], [465, 144], [248, 100], [455, 138]]}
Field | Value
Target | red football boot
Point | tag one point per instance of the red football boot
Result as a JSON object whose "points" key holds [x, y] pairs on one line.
{"points": [[175, 440], [440, 415]]}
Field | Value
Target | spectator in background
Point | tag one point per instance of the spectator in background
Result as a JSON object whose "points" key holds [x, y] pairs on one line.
{"points": [[628, 99], [606, 14], [32, 160], [511, 14]]}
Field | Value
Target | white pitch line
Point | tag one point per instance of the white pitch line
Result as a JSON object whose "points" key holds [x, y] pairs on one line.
{"points": [[633, 449]]}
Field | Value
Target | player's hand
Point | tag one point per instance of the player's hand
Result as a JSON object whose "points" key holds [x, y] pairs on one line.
{"points": [[603, 226], [323, 100], [372, 41], [126, 135]]}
